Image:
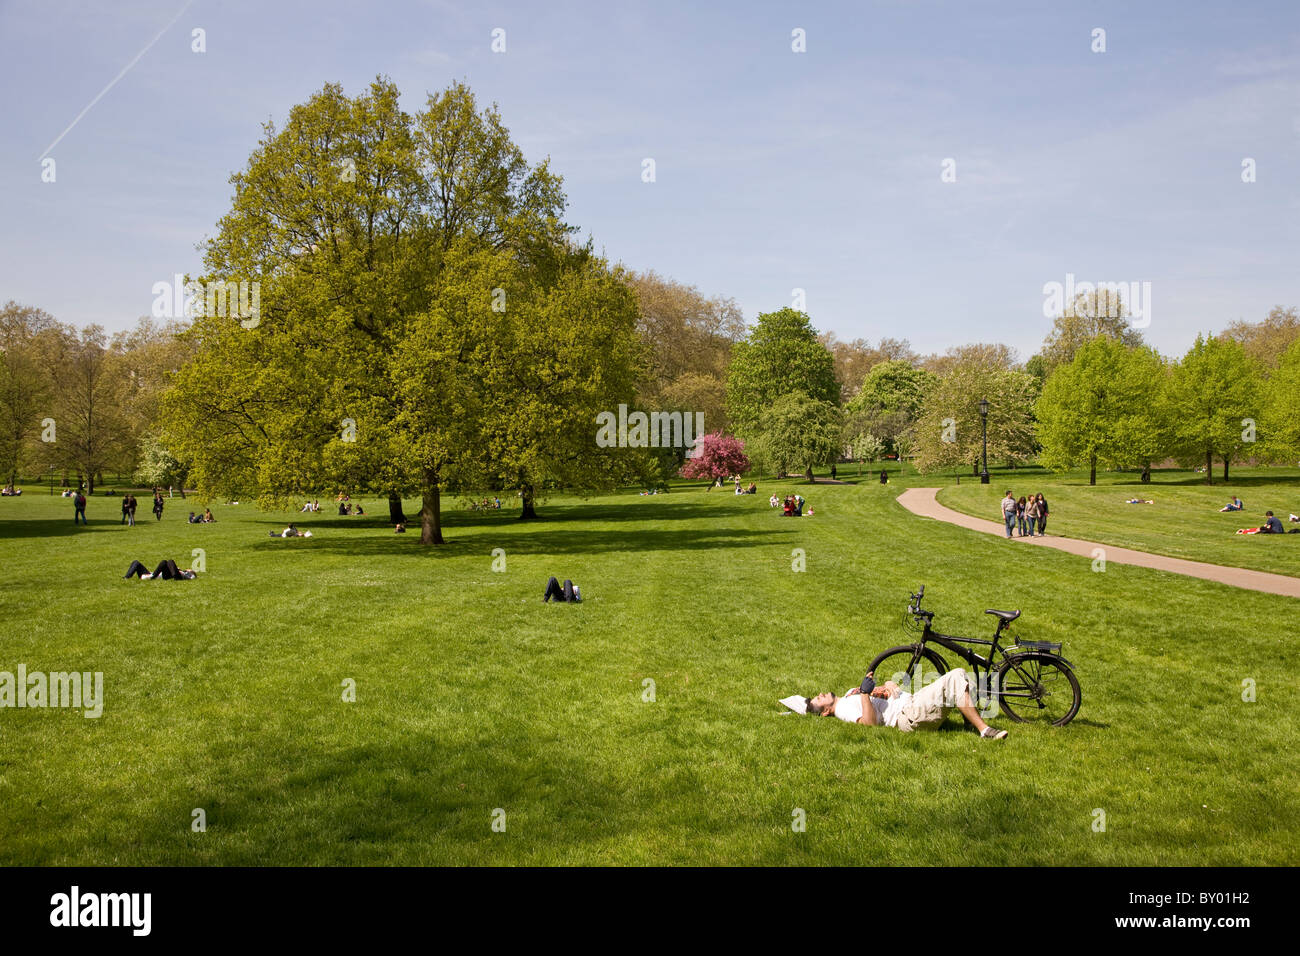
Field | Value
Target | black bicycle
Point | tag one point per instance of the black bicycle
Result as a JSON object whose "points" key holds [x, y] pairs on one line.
{"points": [[1030, 680]]}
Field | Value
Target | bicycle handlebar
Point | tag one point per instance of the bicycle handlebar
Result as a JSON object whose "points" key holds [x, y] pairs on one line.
{"points": [[915, 606]]}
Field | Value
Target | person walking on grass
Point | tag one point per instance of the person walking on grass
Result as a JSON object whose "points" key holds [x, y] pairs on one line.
{"points": [[131, 504], [157, 504], [1009, 512], [126, 506], [1041, 502], [79, 503]]}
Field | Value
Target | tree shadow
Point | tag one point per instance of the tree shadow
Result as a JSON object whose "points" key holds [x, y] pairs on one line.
{"points": [[525, 538], [54, 527]]}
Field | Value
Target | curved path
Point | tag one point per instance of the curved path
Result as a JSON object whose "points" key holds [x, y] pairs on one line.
{"points": [[922, 501]]}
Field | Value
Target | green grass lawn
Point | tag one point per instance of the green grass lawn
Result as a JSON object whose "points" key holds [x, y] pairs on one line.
{"points": [[1183, 519], [225, 693]]}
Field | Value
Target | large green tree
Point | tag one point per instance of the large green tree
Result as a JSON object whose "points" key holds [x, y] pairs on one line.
{"points": [[948, 428], [1214, 396], [92, 432], [781, 356], [1103, 405], [367, 229], [797, 431], [888, 403]]}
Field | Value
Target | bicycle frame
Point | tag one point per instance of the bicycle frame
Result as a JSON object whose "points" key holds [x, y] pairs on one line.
{"points": [[983, 666], [977, 661]]}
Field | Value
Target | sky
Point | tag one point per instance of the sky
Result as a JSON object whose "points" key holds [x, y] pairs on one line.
{"points": [[774, 170]]}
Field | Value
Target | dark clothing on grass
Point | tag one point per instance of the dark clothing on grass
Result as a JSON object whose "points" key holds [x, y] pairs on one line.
{"points": [[167, 570], [553, 590]]}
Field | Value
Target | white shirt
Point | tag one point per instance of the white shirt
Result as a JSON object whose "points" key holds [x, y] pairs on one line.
{"points": [[849, 707]]}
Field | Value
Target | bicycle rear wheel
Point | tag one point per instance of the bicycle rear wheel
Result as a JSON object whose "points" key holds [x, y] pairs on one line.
{"points": [[911, 667], [1040, 688]]}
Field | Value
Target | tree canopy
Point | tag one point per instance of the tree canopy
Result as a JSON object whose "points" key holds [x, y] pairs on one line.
{"points": [[781, 356], [424, 320]]}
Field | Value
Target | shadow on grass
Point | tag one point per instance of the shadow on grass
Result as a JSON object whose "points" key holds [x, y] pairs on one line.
{"points": [[57, 527], [525, 538], [428, 800]]}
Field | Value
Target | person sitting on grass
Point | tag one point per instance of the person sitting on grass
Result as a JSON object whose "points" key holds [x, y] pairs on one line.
{"points": [[400, 529], [344, 508], [194, 519], [1272, 525], [774, 501], [1139, 501], [787, 507], [1233, 505], [890, 706], [166, 571], [207, 516], [569, 593]]}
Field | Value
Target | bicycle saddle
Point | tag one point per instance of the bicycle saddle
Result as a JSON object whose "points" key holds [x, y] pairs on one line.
{"points": [[1007, 616]]}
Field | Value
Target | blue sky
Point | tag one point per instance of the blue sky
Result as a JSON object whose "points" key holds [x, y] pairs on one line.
{"points": [[775, 170]]}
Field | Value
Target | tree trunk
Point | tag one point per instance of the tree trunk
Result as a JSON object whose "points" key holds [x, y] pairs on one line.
{"points": [[975, 468], [1209, 467], [526, 496], [1225, 468], [1146, 473], [395, 513], [1092, 470], [431, 511], [808, 474]]}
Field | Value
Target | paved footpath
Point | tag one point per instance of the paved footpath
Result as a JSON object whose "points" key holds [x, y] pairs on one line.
{"points": [[922, 501]]}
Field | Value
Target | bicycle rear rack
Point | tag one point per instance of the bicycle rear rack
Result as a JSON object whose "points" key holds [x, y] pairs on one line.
{"points": [[1049, 646]]}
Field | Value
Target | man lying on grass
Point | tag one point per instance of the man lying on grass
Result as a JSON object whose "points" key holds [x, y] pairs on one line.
{"points": [[891, 706]]}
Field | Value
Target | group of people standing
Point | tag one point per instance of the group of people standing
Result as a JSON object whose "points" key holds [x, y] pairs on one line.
{"points": [[1027, 515]]}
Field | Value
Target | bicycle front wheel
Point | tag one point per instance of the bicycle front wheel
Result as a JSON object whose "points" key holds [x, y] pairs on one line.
{"points": [[911, 667], [1038, 688]]}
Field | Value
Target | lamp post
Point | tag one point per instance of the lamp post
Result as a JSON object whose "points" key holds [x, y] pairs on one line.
{"points": [[51, 481], [984, 431]]}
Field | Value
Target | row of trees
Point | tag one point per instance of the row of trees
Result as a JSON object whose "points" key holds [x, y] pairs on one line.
{"points": [[79, 404], [1095, 395], [426, 322], [1124, 406]]}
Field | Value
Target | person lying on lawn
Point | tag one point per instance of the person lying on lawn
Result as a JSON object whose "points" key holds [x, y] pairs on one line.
{"points": [[890, 706], [166, 571]]}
